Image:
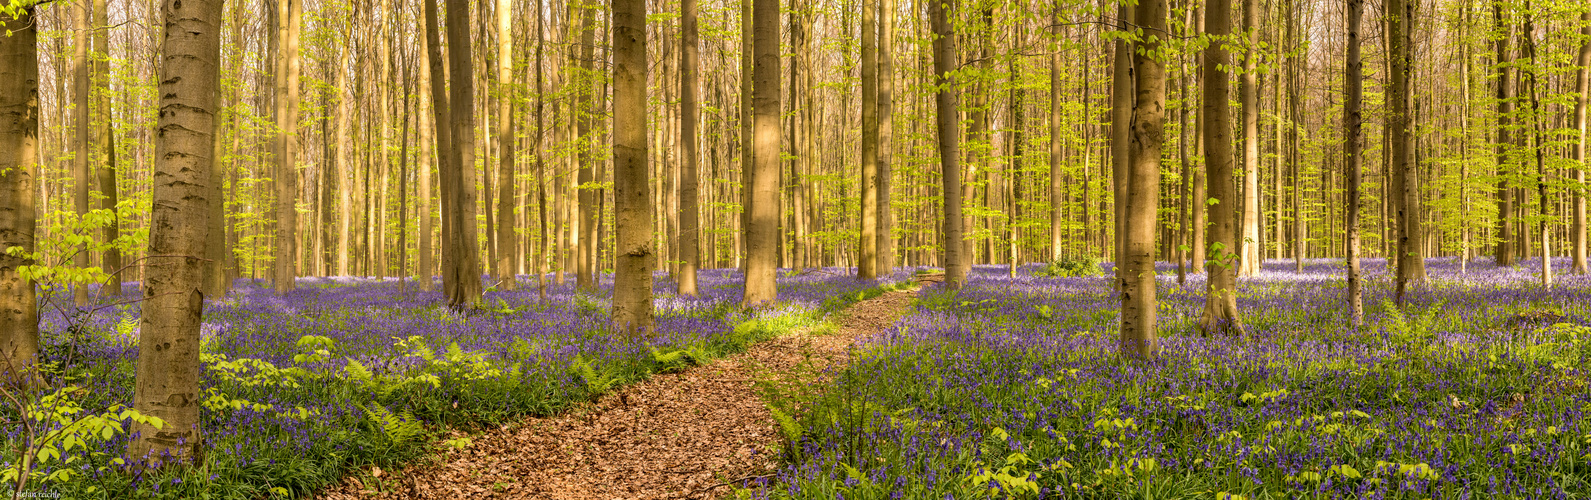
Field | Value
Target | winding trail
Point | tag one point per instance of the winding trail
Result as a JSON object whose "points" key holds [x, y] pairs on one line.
{"points": [[674, 436]]}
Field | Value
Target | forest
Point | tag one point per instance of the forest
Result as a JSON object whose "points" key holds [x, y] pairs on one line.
{"points": [[768, 249]]}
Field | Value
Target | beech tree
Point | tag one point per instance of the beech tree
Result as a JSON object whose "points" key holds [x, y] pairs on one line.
{"points": [[19, 166], [1138, 322], [763, 176], [1248, 243], [506, 241], [168, 371], [1410, 261], [632, 278], [867, 240], [289, 17], [465, 264], [1583, 88], [945, 62], [1353, 103], [689, 226], [1220, 301]]}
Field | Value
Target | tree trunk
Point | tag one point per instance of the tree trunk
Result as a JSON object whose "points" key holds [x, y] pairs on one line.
{"points": [[763, 214], [948, 129], [465, 242], [632, 192], [430, 149], [1057, 145], [105, 131], [1505, 107], [689, 226], [1138, 337], [867, 243], [543, 240], [506, 240], [1248, 246], [80, 140], [1014, 108], [1529, 49], [1295, 65], [19, 164], [1352, 117], [1220, 302], [168, 369], [1411, 266], [585, 271], [1583, 88], [1121, 102], [886, 136], [286, 175], [1199, 204]]}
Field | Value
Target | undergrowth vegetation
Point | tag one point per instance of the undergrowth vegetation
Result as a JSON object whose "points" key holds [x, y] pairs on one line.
{"points": [[347, 373], [1012, 389]]}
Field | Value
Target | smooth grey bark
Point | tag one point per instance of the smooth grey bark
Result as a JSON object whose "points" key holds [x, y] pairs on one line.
{"points": [[1139, 338], [1352, 118], [689, 226], [285, 266], [465, 241], [168, 371], [19, 165], [948, 130], [1220, 313], [867, 239], [763, 230], [632, 187]]}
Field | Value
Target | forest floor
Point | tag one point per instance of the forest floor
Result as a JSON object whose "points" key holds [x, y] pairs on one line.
{"points": [[690, 434]]}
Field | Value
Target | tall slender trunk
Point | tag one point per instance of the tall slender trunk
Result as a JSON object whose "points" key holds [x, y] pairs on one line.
{"points": [[1295, 64], [105, 132], [1583, 88], [1352, 118], [1200, 207], [1505, 112], [19, 165], [1220, 302], [1014, 107], [886, 136], [689, 226], [762, 235], [1540, 149], [1121, 102], [1138, 321], [506, 240], [436, 67], [948, 130], [80, 141], [632, 204], [168, 371], [867, 242], [1057, 145], [430, 150], [465, 242], [286, 177], [1183, 160], [542, 241], [586, 265], [1411, 266], [1248, 245]]}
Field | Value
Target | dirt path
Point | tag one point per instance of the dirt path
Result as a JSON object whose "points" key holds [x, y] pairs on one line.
{"points": [[682, 435]]}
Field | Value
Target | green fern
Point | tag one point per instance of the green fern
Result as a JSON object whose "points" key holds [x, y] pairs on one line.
{"points": [[788, 426], [356, 371], [596, 383], [397, 428], [1411, 331]]}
